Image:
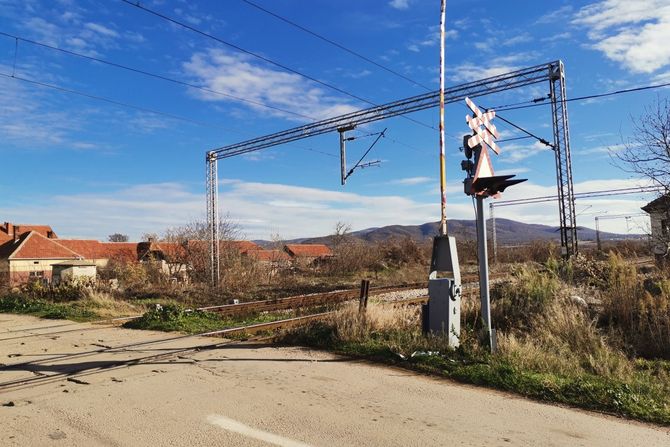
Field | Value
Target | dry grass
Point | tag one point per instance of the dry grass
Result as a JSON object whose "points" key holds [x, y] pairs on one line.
{"points": [[549, 347], [106, 305], [637, 309]]}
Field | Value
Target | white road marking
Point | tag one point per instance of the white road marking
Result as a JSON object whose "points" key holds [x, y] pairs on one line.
{"points": [[242, 429]]}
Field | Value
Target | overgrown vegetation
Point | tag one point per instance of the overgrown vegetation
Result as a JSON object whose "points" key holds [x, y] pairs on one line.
{"points": [[611, 355], [89, 307], [172, 317]]}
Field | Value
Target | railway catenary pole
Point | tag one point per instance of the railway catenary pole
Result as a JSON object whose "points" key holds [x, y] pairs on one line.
{"points": [[553, 72], [443, 173], [213, 223]]}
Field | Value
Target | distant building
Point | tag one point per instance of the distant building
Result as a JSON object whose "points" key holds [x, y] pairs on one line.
{"points": [[307, 254], [659, 215]]}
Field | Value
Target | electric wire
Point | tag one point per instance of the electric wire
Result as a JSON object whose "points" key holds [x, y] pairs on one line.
{"points": [[541, 101], [153, 75], [505, 140], [358, 163], [141, 108], [335, 44], [115, 102], [582, 195], [263, 58], [530, 134]]}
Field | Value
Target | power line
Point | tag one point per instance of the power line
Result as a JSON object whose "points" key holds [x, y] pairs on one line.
{"points": [[140, 108], [541, 101], [335, 44], [153, 75], [115, 102], [530, 134], [582, 195], [258, 56], [504, 140]]}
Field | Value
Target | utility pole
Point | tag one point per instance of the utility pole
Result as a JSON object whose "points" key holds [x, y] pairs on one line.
{"points": [[494, 239], [443, 173]]}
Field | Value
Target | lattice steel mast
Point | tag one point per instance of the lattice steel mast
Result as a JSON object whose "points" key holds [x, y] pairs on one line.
{"points": [[552, 72], [566, 195], [213, 217]]}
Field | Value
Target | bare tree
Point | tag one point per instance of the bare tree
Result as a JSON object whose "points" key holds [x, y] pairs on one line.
{"points": [[187, 247], [341, 233], [647, 151], [117, 237]]}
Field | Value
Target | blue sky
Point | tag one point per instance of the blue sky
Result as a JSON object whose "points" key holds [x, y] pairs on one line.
{"points": [[91, 168]]}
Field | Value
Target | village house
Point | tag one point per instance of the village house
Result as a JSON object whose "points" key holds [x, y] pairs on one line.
{"points": [[36, 253], [305, 255], [659, 215]]}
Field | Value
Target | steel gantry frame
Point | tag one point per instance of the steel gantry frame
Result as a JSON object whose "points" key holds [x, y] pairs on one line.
{"points": [[553, 72]]}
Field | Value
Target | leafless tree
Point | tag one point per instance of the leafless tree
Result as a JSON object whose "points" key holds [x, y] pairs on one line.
{"points": [[647, 151], [341, 233], [186, 246]]}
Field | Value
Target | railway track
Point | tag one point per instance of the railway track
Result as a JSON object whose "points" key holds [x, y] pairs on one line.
{"points": [[73, 372], [273, 305], [319, 299]]}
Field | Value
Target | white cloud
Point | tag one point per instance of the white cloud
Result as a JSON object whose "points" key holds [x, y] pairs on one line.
{"points": [[633, 33], [469, 71], [514, 153], [238, 76], [559, 15], [431, 39], [411, 181], [399, 4], [101, 29], [263, 209], [605, 149]]}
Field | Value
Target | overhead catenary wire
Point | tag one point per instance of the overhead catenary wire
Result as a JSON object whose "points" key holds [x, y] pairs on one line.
{"points": [[139, 108], [154, 75], [541, 101], [261, 57], [582, 195], [358, 163], [335, 44]]}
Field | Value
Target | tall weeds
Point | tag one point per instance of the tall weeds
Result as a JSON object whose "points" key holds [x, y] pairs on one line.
{"points": [[636, 310]]}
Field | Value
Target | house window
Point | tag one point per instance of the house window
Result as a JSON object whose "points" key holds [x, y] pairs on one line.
{"points": [[665, 228], [36, 275]]}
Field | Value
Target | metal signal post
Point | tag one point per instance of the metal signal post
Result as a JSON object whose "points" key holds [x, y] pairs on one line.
{"points": [[481, 182]]}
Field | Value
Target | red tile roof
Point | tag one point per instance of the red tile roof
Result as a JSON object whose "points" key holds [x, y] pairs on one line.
{"points": [[92, 249], [268, 255], [119, 251], [7, 230], [89, 249], [240, 246], [308, 250], [33, 245]]}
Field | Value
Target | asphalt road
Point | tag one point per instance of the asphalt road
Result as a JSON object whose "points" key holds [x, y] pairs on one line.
{"points": [[255, 395]]}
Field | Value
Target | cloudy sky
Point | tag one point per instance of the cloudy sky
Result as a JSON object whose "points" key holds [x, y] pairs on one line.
{"points": [[129, 156]]}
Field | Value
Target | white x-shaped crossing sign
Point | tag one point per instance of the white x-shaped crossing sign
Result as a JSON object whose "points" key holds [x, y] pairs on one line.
{"points": [[485, 131]]}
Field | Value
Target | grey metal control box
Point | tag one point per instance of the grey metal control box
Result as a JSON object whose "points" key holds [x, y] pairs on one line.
{"points": [[445, 309], [444, 291]]}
